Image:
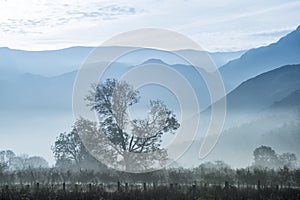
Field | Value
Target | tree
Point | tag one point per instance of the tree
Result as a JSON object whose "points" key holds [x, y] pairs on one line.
{"points": [[68, 148], [138, 141], [70, 153], [288, 160], [36, 162], [5, 157], [265, 156]]}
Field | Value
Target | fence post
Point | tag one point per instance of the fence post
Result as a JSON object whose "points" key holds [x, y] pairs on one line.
{"points": [[27, 188], [119, 186], [145, 186], [37, 187], [126, 187], [226, 185], [258, 185], [64, 186], [90, 187], [76, 188], [194, 191], [205, 186]]}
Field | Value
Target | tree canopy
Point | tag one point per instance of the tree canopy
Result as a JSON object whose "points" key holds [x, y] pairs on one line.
{"points": [[134, 143], [266, 157]]}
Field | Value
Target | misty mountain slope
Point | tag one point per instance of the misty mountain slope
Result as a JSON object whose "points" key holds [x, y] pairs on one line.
{"points": [[35, 92], [222, 58], [14, 62], [262, 91], [47, 63], [292, 101], [219, 58], [256, 61]]}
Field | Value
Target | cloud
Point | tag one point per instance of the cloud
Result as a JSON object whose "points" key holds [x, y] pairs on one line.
{"points": [[217, 25], [271, 33], [60, 14]]}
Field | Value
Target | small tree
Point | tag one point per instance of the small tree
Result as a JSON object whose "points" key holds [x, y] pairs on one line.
{"points": [[288, 160], [265, 157], [36, 162], [5, 158], [70, 153]]}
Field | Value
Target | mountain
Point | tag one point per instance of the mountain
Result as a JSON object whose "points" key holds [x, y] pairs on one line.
{"points": [[260, 92], [31, 92], [47, 63], [256, 61], [221, 58], [14, 63], [288, 103], [261, 110]]}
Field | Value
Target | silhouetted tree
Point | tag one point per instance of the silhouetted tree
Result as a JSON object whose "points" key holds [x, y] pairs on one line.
{"points": [[137, 141], [265, 156], [288, 159], [5, 157], [70, 153]]}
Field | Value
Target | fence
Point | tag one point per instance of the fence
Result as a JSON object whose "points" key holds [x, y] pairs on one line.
{"points": [[145, 191]]}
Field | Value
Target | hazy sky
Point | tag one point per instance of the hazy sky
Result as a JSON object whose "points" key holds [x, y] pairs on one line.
{"points": [[217, 25]]}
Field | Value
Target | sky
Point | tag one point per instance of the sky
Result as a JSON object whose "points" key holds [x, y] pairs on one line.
{"points": [[216, 25]]}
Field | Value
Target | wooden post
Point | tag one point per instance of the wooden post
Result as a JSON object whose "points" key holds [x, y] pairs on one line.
{"points": [[27, 188], [194, 189], [205, 186], [126, 187], [145, 186], [258, 185], [90, 187], [37, 186], [64, 186], [226, 185], [119, 186], [171, 186]]}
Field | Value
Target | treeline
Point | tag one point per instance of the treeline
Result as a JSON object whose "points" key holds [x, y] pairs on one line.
{"points": [[269, 168], [216, 173], [210, 180], [203, 182]]}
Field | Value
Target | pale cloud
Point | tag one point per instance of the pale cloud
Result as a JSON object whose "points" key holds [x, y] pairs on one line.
{"points": [[216, 25]]}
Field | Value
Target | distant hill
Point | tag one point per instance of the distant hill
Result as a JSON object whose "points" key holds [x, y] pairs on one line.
{"points": [[47, 63], [292, 101], [31, 92], [14, 63], [256, 61], [264, 90]]}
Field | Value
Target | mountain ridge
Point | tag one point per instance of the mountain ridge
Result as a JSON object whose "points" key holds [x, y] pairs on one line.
{"points": [[259, 60]]}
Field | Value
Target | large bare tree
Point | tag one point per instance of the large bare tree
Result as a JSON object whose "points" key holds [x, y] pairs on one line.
{"points": [[136, 143]]}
